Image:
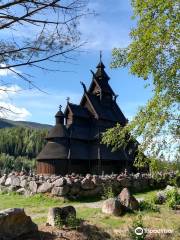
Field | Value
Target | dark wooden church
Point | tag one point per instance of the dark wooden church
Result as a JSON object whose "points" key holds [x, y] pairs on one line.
{"points": [[74, 143]]}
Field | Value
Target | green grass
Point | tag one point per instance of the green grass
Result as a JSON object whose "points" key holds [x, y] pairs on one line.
{"points": [[37, 207], [88, 213], [112, 222], [37, 201], [146, 195], [39, 220]]}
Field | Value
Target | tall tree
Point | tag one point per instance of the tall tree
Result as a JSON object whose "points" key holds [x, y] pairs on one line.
{"points": [[153, 55], [21, 141]]}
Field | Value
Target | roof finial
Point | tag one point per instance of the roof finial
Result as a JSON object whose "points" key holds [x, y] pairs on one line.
{"points": [[115, 97], [84, 86], [60, 107], [68, 99], [100, 55], [100, 64]]}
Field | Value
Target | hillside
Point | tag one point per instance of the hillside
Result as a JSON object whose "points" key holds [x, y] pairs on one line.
{"points": [[4, 123]]}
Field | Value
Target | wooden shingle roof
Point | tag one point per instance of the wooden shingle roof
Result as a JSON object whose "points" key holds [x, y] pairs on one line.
{"points": [[103, 85], [53, 150], [100, 73], [58, 131], [78, 110], [112, 113]]}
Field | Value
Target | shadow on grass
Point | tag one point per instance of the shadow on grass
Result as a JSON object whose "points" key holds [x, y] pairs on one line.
{"points": [[40, 235], [93, 232], [86, 199], [85, 231]]}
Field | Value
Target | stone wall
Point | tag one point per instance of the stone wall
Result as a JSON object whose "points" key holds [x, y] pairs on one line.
{"points": [[74, 186]]}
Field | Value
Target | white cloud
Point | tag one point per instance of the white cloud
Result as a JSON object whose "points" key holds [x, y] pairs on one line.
{"points": [[8, 71], [18, 100], [9, 111], [8, 91], [5, 72]]}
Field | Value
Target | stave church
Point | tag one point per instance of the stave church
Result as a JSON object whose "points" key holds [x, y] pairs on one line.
{"points": [[74, 143]]}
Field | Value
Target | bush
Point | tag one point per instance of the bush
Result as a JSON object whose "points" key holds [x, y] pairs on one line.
{"points": [[148, 206], [137, 223], [175, 181], [173, 198], [108, 191], [159, 198], [9, 163], [59, 223], [71, 221]]}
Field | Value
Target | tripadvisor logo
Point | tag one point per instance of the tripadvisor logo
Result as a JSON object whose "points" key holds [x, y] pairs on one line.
{"points": [[139, 231]]}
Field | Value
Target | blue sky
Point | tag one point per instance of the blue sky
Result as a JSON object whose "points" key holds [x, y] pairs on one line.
{"points": [[110, 28]]}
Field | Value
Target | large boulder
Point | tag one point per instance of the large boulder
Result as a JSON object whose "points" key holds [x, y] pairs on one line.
{"points": [[75, 189], [14, 223], [128, 200], [125, 182], [15, 181], [58, 215], [33, 186], [21, 191], [12, 181], [96, 180], [60, 182], [60, 191], [87, 184], [45, 187], [169, 188], [161, 197], [69, 181], [24, 183], [112, 206], [8, 181]]}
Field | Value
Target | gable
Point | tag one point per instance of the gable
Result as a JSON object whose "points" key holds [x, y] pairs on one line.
{"points": [[86, 103]]}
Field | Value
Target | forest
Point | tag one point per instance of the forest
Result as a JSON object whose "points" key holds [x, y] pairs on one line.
{"points": [[19, 146]]}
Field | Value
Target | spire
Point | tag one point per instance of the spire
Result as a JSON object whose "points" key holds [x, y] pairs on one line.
{"points": [[100, 64], [59, 116], [68, 99], [60, 107], [100, 73], [100, 55]]}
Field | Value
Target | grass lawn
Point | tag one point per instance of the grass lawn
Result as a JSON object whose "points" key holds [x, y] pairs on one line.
{"points": [[37, 207]]}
